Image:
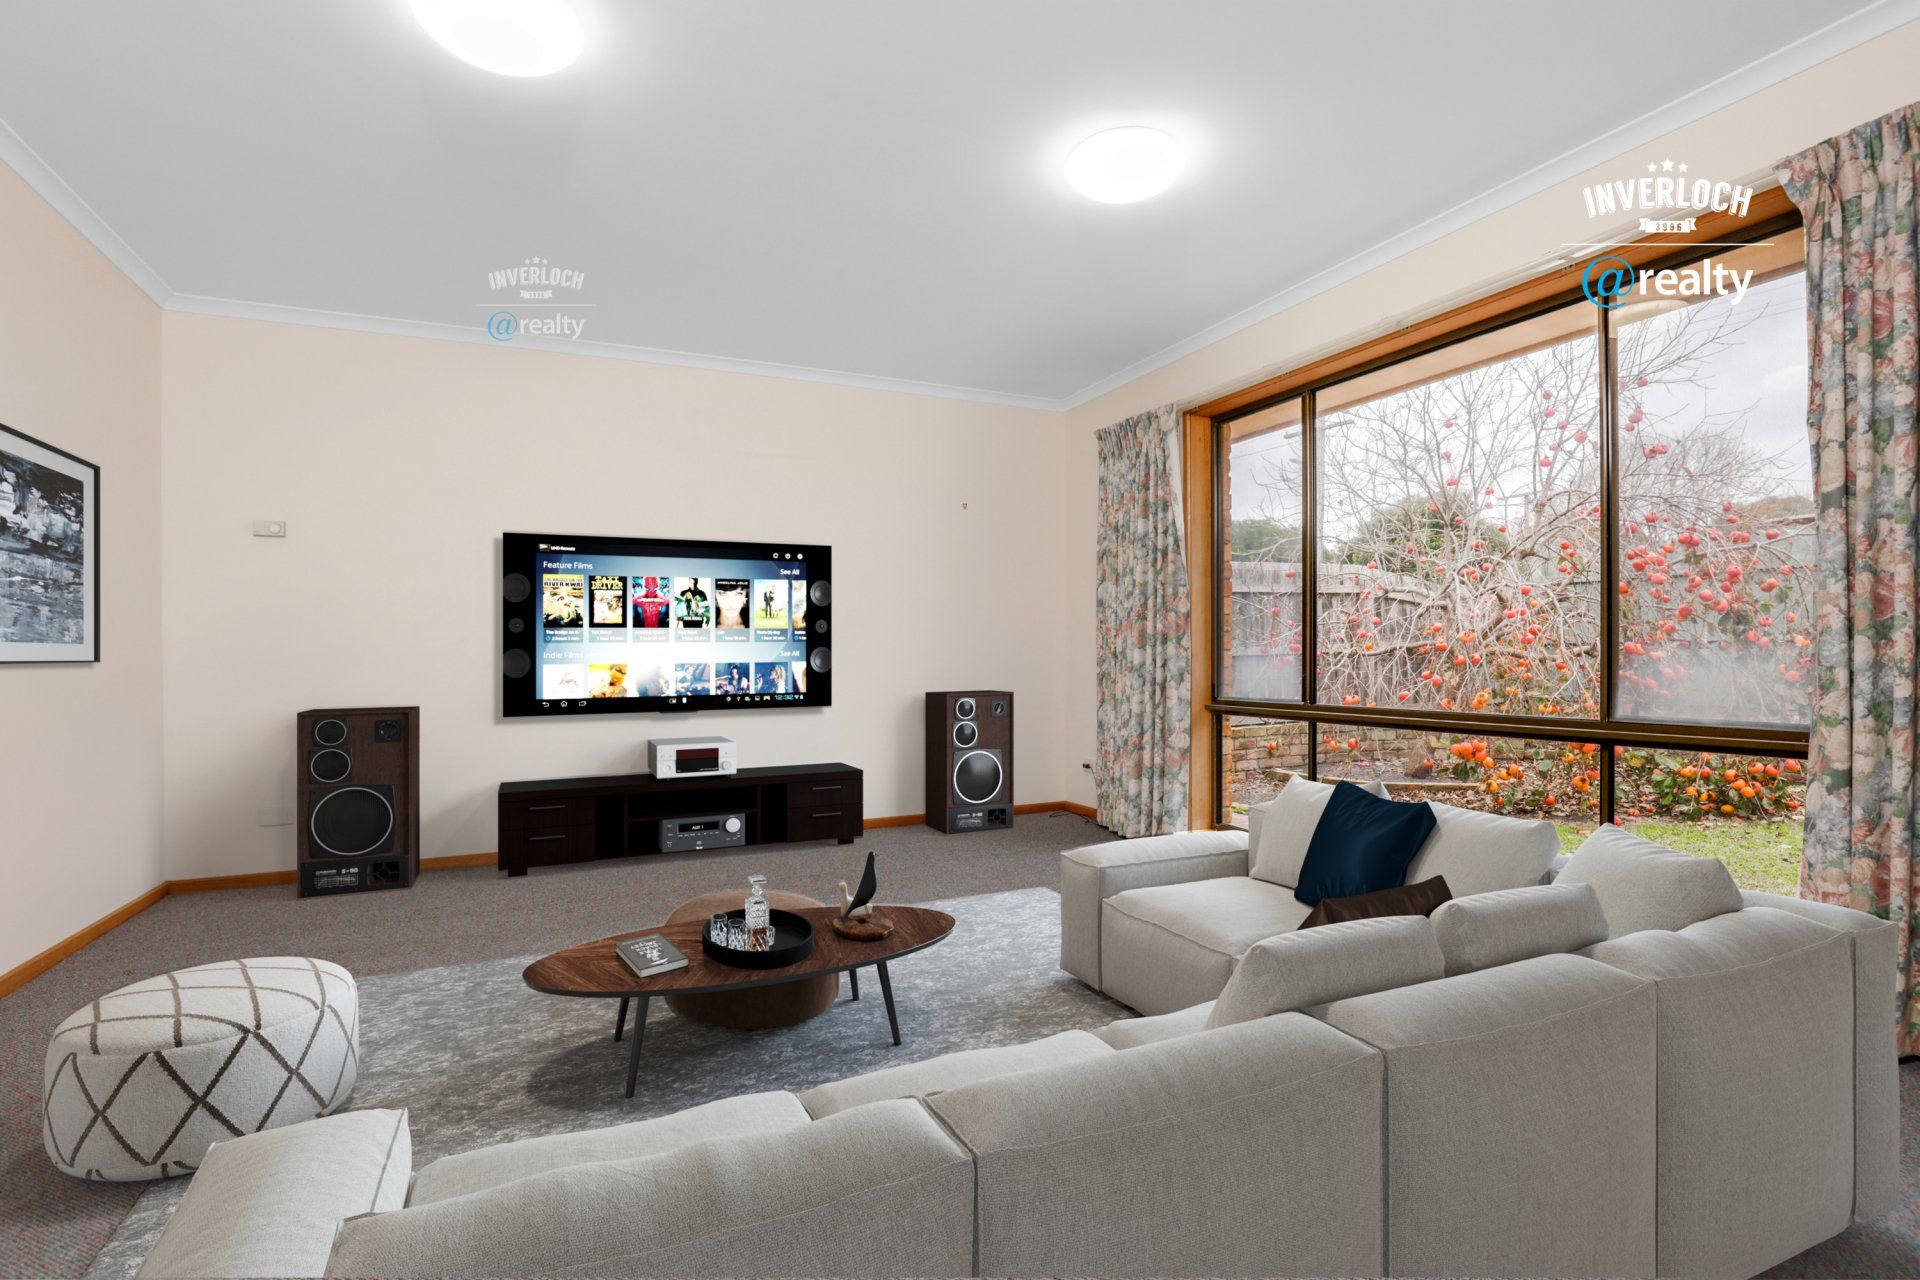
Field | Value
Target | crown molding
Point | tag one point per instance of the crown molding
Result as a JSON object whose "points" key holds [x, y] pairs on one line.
{"points": [[1809, 51], [51, 187], [237, 309]]}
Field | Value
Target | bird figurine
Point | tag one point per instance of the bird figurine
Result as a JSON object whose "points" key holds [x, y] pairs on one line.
{"points": [[858, 906], [857, 919]]}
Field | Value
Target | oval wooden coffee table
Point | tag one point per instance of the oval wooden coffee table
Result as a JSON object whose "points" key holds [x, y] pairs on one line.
{"points": [[595, 969]]}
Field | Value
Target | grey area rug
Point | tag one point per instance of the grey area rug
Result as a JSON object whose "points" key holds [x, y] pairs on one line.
{"points": [[478, 1058]]}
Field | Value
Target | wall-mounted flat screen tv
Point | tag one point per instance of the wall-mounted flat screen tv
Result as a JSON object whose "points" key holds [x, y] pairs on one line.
{"points": [[596, 625]]}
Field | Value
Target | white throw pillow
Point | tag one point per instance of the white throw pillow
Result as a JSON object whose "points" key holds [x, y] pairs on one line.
{"points": [[1484, 852], [1643, 885], [1286, 828]]}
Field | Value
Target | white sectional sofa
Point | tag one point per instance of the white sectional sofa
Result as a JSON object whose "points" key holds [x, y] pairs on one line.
{"points": [[1158, 923], [1510, 1087]]}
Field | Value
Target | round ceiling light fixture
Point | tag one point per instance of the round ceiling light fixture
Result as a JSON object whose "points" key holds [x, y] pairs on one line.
{"points": [[1121, 166], [506, 37]]}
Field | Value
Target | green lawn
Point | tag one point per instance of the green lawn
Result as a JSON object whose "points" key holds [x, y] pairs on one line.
{"points": [[1761, 855]]}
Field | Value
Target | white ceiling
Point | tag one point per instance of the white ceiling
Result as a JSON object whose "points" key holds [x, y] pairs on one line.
{"points": [[865, 190]]}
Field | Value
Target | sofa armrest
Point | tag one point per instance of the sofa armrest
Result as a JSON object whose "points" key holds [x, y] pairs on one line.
{"points": [[1876, 1073], [1093, 873]]}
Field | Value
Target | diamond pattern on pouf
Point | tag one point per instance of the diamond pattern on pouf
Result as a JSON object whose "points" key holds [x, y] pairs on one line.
{"points": [[142, 1081]]}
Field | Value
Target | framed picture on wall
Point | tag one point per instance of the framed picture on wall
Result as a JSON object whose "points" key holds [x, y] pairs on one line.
{"points": [[49, 553]]}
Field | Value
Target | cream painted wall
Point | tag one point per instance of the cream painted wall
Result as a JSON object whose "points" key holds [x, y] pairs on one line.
{"points": [[397, 463], [80, 761], [1740, 141]]}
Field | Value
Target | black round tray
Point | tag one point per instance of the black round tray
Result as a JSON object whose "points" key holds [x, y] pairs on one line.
{"points": [[792, 943]]}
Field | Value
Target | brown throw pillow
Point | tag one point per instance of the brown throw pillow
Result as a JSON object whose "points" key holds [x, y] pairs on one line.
{"points": [[1405, 900]]}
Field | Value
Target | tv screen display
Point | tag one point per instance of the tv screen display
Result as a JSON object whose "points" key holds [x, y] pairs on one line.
{"points": [[596, 625]]}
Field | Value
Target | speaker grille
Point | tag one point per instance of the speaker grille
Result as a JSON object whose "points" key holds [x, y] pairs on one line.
{"points": [[517, 588], [351, 821], [330, 765], [516, 664], [976, 778], [330, 733]]}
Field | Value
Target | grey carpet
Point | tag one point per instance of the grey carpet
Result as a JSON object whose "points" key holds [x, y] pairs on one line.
{"points": [[53, 1225], [477, 1058]]}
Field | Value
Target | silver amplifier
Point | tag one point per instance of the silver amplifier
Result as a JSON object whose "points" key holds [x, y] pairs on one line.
{"points": [[713, 831]]}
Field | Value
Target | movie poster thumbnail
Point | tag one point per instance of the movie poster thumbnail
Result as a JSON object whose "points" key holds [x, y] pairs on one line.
{"points": [[799, 611], [731, 603], [798, 679], [563, 681], [607, 601], [652, 603], [563, 600], [608, 680], [732, 677], [770, 604], [693, 604], [692, 679], [771, 677]]}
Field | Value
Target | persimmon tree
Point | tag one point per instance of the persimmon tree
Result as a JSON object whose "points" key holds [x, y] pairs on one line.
{"points": [[1460, 543]]}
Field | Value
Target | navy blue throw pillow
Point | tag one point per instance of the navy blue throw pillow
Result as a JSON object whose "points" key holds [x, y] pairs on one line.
{"points": [[1363, 844]]}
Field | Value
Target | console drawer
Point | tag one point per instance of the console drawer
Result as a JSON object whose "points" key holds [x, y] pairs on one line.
{"points": [[546, 846], [828, 821], [828, 793], [518, 815]]}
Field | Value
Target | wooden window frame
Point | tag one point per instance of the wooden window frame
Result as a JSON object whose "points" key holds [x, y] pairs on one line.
{"points": [[1770, 214]]}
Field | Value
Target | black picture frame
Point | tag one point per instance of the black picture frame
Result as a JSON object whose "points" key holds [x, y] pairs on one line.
{"points": [[49, 560]]}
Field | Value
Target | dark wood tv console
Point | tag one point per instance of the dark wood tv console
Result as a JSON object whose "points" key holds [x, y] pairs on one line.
{"points": [[562, 820]]}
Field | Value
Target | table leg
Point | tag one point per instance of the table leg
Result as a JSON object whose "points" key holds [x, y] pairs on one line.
{"points": [[639, 1034], [886, 989], [853, 976], [620, 1019]]}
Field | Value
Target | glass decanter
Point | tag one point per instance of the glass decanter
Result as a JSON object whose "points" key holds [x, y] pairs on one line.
{"points": [[758, 919]]}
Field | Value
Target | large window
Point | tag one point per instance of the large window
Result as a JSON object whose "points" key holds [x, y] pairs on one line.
{"points": [[1553, 563]]}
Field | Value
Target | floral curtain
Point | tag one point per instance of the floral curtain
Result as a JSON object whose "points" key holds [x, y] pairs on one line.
{"points": [[1857, 194], [1141, 627]]}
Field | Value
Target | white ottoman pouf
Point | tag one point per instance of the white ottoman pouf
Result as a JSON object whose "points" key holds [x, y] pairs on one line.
{"points": [[143, 1080]]}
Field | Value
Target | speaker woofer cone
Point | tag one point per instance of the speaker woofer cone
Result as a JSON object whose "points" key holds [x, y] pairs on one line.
{"points": [[330, 733], [351, 821], [966, 733], [330, 765], [977, 776], [964, 708]]}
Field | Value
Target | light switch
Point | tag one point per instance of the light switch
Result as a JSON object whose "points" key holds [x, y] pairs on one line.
{"points": [[269, 528]]}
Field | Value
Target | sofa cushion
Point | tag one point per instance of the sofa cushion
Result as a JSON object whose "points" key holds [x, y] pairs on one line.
{"points": [[1489, 929], [457, 1175], [1280, 830], [1481, 852], [1174, 945], [1313, 967], [1421, 899], [1251, 1150], [1362, 844], [269, 1203], [1521, 1136], [1131, 1033], [1644, 886], [950, 1071], [886, 1191]]}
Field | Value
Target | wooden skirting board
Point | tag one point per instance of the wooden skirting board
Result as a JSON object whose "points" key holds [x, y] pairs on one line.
{"points": [[25, 972]]}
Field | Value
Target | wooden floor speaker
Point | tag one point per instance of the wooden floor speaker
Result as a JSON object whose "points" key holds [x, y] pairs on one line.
{"points": [[970, 760], [357, 799]]}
